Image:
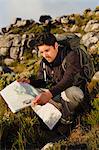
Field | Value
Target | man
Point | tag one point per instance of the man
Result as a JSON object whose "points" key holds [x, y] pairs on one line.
{"points": [[66, 89]]}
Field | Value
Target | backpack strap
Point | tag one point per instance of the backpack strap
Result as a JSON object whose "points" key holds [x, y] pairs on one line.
{"points": [[44, 70], [64, 64]]}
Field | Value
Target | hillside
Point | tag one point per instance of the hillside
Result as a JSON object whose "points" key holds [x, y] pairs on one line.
{"points": [[18, 57]]}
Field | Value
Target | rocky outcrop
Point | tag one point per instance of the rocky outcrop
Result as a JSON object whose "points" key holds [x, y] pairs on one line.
{"points": [[13, 46], [19, 37]]}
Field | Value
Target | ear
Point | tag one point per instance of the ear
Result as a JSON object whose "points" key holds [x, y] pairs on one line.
{"points": [[56, 45]]}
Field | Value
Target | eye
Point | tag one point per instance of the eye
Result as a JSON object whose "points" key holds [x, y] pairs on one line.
{"points": [[46, 50], [41, 52]]}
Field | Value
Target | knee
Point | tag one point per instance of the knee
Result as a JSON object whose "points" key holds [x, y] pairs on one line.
{"points": [[75, 92], [73, 95]]}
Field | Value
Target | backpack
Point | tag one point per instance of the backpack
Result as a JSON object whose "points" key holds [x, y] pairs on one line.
{"points": [[73, 41]]}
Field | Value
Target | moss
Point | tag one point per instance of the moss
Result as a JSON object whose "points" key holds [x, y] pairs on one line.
{"points": [[35, 29], [16, 30], [57, 31]]}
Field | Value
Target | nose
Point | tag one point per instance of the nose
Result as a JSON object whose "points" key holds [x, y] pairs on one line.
{"points": [[45, 55]]}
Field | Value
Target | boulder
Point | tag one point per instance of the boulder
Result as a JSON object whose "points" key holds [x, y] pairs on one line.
{"points": [[92, 25], [90, 38], [14, 52], [8, 61]]}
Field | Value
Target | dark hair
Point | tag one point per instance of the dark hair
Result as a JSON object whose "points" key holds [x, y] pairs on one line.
{"points": [[45, 38]]}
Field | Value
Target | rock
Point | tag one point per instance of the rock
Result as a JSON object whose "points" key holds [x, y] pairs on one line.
{"points": [[5, 42], [24, 36], [4, 51], [24, 40], [3, 30], [66, 29], [45, 19], [92, 25], [47, 146], [34, 51], [8, 61], [14, 52], [64, 20], [97, 14], [90, 38], [96, 76], [74, 28], [95, 27], [87, 10], [21, 23], [16, 40], [78, 34], [92, 50], [15, 20]]}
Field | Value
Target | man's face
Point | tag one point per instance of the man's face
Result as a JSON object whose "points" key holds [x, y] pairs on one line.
{"points": [[48, 52]]}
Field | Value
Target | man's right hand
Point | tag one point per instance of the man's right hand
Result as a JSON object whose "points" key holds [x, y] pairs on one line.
{"points": [[24, 79], [42, 98]]}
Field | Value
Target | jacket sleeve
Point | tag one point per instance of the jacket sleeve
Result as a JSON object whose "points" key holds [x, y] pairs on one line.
{"points": [[72, 68], [39, 82]]}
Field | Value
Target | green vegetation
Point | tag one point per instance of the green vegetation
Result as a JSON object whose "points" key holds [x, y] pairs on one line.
{"points": [[24, 130], [93, 117], [36, 28]]}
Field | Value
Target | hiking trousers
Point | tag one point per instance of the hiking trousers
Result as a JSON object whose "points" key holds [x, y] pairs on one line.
{"points": [[68, 101]]}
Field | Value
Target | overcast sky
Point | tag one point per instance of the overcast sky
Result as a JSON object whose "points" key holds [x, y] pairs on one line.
{"points": [[33, 9]]}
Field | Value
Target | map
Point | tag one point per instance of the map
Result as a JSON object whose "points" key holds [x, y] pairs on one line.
{"points": [[19, 95]]}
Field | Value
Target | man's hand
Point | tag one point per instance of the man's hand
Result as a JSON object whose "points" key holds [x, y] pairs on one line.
{"points": [[24, 79], [42, 98]]}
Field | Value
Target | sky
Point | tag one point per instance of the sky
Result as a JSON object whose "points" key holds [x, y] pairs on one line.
{"points": [[33, 9]]}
